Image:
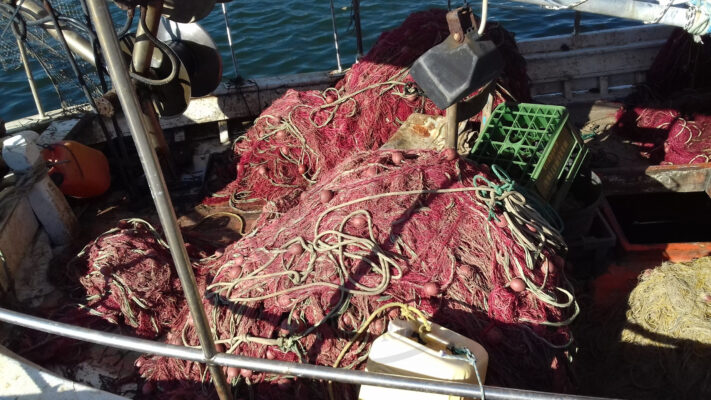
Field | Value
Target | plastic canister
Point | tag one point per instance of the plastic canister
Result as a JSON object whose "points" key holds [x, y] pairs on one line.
{"points": [[78, 170], [402, 351]]}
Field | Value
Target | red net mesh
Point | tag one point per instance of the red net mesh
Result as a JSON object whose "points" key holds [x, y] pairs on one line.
{"points": [[303, 134], [669, 120], [371, 232], [664, 137], [130, 279]]}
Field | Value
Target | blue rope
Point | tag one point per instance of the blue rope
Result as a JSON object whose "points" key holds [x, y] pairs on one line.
{"points": [[465, 354], [507, 185]]}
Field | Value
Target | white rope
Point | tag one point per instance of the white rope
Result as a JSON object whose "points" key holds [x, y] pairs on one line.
{"points": [[484, 12]]}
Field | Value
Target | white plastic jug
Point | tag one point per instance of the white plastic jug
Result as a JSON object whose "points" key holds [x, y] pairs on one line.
{"points": [[400, 351]]}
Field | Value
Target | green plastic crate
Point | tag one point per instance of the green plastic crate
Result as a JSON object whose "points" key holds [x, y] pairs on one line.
{"points": [[535, 145]]}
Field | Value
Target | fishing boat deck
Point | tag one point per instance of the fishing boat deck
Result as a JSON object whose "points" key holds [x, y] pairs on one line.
{"points": [[214, 121]]}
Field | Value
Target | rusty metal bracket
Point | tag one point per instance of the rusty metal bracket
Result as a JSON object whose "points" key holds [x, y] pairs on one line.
{"points": [[460, 22]]}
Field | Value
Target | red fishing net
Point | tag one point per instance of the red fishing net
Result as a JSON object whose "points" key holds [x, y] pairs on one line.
{"points": [[664, 137], [382, 227], [131, 280], [668, 118], [303, 134]]}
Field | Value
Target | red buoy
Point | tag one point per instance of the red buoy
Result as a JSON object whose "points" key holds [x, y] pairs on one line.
{"points": [[431, 289], [450, 154], [517, 285], [397, 158], [325, 196]]}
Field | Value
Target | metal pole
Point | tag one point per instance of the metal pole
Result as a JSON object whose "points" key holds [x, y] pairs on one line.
{"points": [[229, 39], [277, 367], [335, 37], [630, 9], [76, 42], [30, 77], [143, 49], [141, 61], [159, 190], [356, 22], [450, 141]]}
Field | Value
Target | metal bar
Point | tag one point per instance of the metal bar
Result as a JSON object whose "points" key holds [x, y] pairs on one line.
{"points": [[30, 77], [335, 37], [278, 367], [77, 43], [630, 9], [143, 49], [141, 62], [100, 72], [356, 22], [576, 23], [229, 39], [159, 190], [450, 141]]}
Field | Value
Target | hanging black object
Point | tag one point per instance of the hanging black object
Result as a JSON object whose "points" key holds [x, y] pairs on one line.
{"points": [[197, 52], [463, 63]]}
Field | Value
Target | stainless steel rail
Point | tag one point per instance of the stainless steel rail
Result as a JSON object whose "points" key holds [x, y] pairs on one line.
{"points": [[31, 9], [30, 77], [229, 39], [278, 367], [149, 160], [359, 33], [335, 37]]}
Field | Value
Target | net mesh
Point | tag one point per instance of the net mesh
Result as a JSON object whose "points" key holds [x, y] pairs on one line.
{"points": [[48, 53], [444, 236]]}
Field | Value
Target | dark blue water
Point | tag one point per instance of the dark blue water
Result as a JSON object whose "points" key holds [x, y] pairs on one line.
{"points": [[281, 37]]}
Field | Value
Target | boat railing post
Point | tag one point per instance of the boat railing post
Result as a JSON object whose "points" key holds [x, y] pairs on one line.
{"points": [[229, 39], [149, 160], [359, 33], [30, 77], [335, 37], [141, 62]]}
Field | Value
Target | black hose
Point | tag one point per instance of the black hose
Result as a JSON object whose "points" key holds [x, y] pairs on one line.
{"points": [[165, 49], [126, 26]]}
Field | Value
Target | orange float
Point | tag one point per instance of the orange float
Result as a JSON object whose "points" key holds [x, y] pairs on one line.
{"points": [[78, 170]]}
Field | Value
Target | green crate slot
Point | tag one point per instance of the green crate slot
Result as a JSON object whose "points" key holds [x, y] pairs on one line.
{"points": [[536, 146]]}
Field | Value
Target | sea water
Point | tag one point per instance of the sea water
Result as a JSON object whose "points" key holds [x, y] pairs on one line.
{"points": [[291, 36]]}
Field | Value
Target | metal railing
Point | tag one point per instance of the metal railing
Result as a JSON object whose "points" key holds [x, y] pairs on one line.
{"points": [[277, 367]]}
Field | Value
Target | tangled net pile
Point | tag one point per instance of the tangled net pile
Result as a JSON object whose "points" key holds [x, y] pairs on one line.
{"points": [[661, 347], [130, 279], [669, 119], [664, 137], [667, 335], [303, 134], [385, 226]]}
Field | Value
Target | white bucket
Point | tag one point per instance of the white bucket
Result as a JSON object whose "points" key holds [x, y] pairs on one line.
{"points": [[401, 351]]}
